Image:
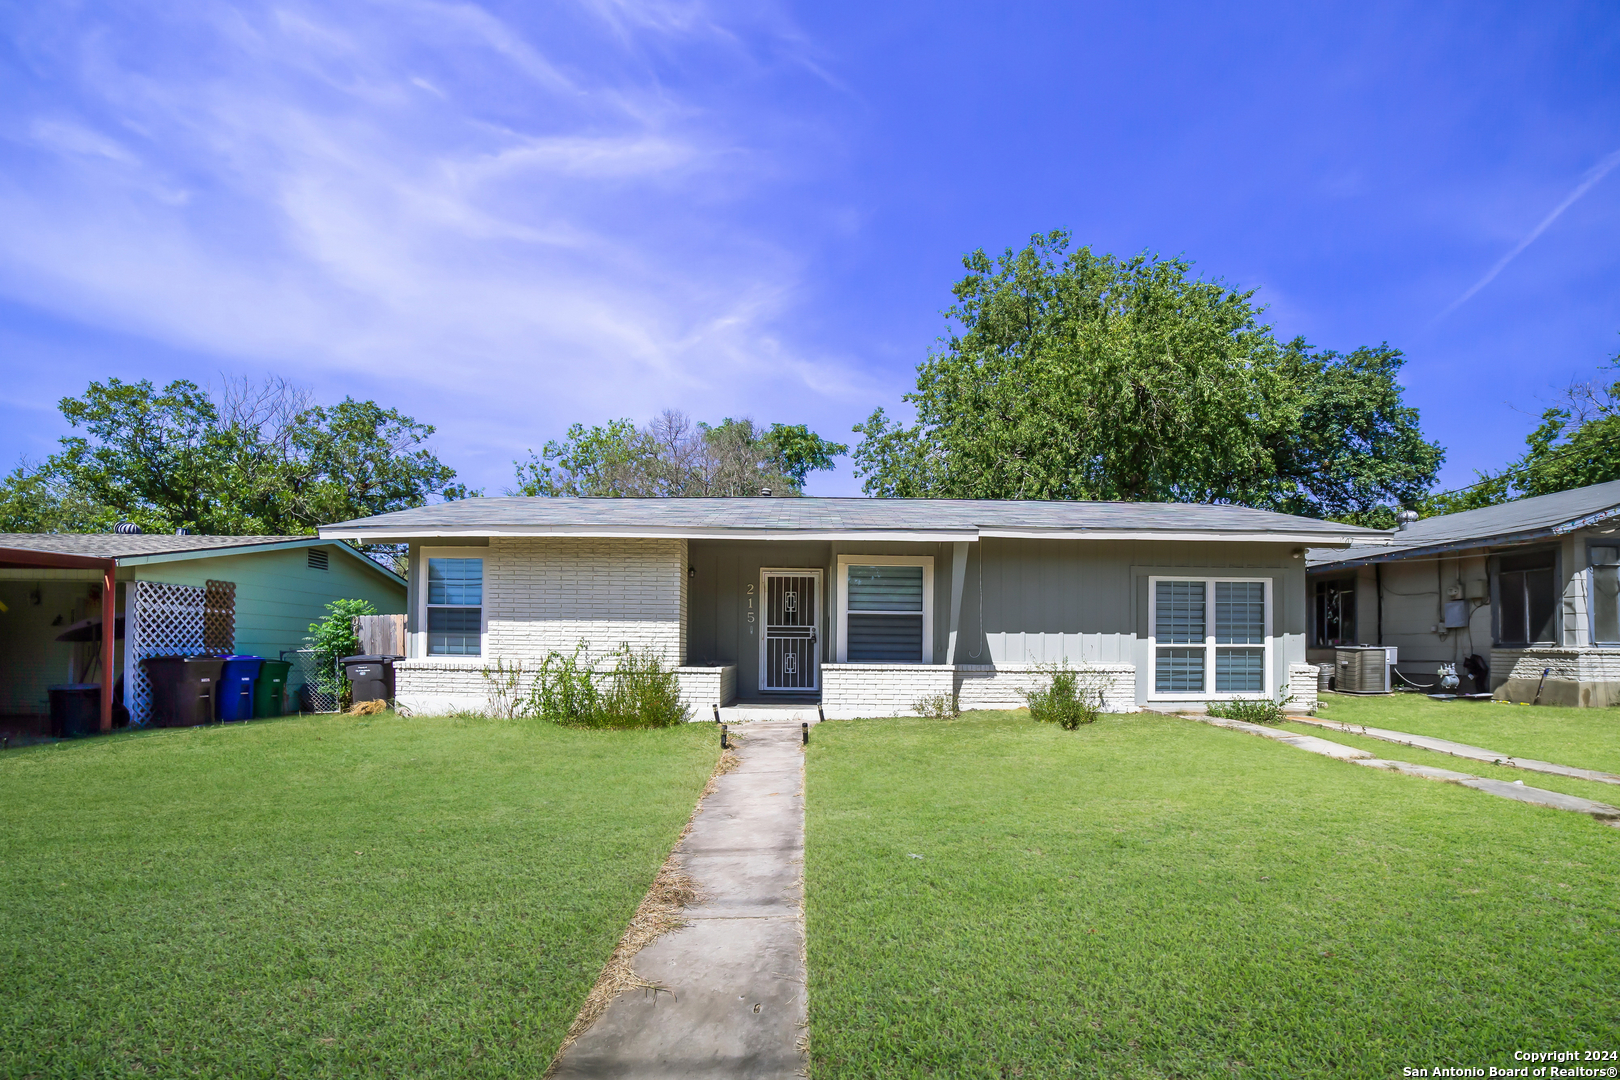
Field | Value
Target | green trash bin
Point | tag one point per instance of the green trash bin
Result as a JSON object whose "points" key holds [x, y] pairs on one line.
{"points": [[270, 690]]}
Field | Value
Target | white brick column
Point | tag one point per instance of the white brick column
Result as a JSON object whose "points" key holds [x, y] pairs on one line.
{"points": [[1303, 680]]}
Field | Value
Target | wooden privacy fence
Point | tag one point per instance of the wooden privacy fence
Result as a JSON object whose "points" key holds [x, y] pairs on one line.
{"points": [[380, 635]]}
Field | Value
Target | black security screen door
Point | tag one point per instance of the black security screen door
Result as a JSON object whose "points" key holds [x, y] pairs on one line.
{"points": [[792, 658]]}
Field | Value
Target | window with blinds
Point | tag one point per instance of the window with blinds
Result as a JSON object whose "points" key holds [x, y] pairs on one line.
{"points": [[455, 607], [885, 614], [1209, 637]]}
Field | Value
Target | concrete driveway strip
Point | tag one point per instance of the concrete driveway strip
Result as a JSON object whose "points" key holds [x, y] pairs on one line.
{"points": [[731, 1001], [1556, 800], [1462, 750]]}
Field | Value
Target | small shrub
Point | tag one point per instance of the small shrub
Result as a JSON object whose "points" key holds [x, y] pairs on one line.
{"points": [[506, 697], [333, 638], [1069, 698], [639, 691], [643, 692], [938, 707], [1252, 711]]}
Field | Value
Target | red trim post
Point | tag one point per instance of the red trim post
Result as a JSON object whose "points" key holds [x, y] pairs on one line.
{"points": [[109, 637]]}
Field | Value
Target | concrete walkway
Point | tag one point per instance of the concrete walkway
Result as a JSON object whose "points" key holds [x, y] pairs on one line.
{"points": [[1462, 750], [732, 997], [1517, 791]]}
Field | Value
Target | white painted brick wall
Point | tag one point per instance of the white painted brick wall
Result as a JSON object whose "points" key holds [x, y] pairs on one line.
{"points": [[854, 690], [982, 686], [1581, 665], [1303, 680], [437, 687], [702, 688], [549, 594], [442, 685]]}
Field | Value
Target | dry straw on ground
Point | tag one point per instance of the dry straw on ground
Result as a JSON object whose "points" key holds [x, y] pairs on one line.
{"points": [[661, 911], [368, 708]]}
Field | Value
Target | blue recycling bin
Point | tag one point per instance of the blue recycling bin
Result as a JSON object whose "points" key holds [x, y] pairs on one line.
{"points": [[234, 697]]}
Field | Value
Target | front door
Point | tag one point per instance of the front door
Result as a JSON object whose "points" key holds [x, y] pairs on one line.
{"points": [[790, 649]]}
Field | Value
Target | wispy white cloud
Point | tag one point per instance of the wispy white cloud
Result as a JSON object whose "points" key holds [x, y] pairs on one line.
{"points": [[1590, 180], [68, 137], [532, 240]]}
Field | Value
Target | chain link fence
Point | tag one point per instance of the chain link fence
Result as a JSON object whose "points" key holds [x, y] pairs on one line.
{"points": [[321, 685]]}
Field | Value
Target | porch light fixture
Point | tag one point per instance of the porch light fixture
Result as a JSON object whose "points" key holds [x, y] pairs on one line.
{"points": [[691, 571]]}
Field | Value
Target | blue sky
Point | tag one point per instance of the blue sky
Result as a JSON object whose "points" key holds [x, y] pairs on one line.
{"points": [[505, 217]]}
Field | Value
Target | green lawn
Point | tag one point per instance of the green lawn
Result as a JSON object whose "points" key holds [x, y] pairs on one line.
{"points": [[1151, 896], [1588, 738], [324, 896]]}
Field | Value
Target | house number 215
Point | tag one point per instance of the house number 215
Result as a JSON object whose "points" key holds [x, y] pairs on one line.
{"points": [[750, 608]]}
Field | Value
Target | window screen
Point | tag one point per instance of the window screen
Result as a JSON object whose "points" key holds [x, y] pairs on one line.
{"points": [[1605, 594], [1335, 613], [1240, 613], [885, 614], [1527, 598], [1178, 618], [1179, 612], [455, 607], [1179, 671], [1240, 671]]}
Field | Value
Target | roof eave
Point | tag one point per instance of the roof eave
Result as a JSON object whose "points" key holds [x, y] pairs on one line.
{"points": [[400, 536], [249, 549], [1442, 548], [54, 560]]}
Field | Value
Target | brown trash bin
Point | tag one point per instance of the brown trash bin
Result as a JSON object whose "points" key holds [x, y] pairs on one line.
{"points": [[183, 689]]}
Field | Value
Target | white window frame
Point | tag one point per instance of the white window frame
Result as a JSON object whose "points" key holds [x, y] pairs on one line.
{"points": [[1209, 693], [924, 561], [427, 553], [1591, 593]]}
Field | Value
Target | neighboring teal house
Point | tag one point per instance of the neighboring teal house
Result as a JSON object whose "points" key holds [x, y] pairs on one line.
{"points": [[49, 582]]}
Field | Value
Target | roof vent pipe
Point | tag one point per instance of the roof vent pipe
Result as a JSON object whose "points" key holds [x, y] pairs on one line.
{"points": [[1404, 519], [182, 531], [126, 527], [765, 492]]}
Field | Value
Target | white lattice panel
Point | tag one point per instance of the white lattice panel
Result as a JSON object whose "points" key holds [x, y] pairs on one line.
{"points": [[159, 620]]}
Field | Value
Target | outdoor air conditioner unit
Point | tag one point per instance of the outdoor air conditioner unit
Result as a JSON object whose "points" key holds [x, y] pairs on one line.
{"points": [[1364, 669]]}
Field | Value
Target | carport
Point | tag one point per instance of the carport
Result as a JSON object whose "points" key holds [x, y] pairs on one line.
{"points": [[175, 593], [38, 567]]}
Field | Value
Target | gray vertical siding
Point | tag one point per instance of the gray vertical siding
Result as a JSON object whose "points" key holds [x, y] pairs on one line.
{"points": [[718, 631], [1044, 601], [1086, 601]]}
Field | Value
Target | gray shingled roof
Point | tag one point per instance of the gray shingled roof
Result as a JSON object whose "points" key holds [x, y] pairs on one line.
{"points": [[128, 545], [704, 517], [1522, 519]]}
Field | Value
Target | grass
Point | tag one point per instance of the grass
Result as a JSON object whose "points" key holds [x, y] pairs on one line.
{"points": [[1589, 738], [1586, 789], [1149, 897], [324, 897]]}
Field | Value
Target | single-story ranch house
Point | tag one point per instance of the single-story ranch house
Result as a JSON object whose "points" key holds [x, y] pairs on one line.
{"points": [[862, 605], [1530, 589]]}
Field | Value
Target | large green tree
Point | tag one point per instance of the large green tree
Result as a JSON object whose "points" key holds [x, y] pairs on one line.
{"points": [[252, 459], [1085, 376], [674, 458], [1576, 444]]}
